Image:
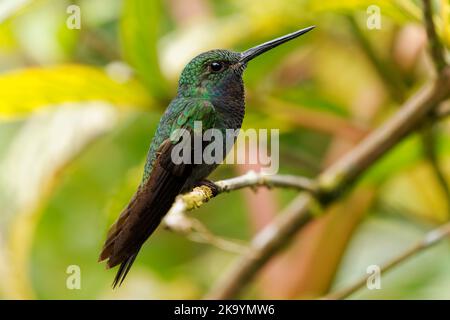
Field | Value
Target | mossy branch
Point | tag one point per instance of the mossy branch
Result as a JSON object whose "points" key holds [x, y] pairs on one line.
{"points": [[177, 220]]}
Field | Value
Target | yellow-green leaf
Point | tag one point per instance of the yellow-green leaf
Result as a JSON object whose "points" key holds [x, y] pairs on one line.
{"points": [[139, 31], [27, 90]]}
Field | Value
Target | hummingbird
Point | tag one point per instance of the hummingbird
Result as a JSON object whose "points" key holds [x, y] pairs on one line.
{"points": [[210, 91]]}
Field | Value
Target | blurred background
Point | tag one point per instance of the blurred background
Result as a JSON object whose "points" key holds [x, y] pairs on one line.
{"points": [[78, 108]]}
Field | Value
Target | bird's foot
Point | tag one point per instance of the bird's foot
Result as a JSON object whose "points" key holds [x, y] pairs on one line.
{"points": [[214, 187]]}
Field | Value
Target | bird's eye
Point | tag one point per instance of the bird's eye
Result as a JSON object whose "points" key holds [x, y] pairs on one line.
{"points": [[216, 66]]}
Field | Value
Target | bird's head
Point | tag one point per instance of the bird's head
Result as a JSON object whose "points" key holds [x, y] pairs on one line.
{"points": [[212, 71], [208, 71]]}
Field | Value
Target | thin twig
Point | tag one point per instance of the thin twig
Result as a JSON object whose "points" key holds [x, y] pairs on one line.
{"points": [[437, 50], [203, 235], [177, 220], [202, 194], [196, 231], [430, 239]]}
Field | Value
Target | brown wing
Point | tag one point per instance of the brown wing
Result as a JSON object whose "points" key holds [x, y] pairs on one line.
{"points": [[144, 212]]}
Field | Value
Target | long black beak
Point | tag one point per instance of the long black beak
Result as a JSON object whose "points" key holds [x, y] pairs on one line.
{"points": [[266, 46]]}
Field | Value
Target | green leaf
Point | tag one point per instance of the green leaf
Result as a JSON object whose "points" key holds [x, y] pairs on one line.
{"points": [[27, 90], [139, 28]]}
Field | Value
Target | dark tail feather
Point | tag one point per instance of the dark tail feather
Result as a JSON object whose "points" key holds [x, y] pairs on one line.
{"points": [[144, 212], [123, 270]]}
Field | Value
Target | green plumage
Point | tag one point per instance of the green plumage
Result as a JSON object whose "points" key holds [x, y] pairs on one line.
{"points": [[210, 90]]}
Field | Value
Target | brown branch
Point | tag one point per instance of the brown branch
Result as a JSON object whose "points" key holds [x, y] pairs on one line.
{"points": [[402, 123], [340, 176], [331, 183], [266, 243], [431, 238], [177, 219]]}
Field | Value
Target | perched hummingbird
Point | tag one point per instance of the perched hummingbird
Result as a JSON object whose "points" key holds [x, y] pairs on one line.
{"points": [[210, 90]]}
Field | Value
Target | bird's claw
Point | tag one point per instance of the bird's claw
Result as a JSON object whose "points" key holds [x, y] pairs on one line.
{"points": [[210, 184]]}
